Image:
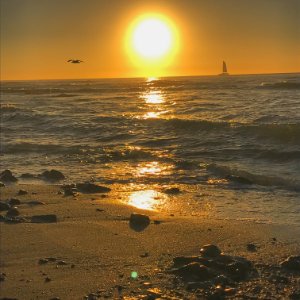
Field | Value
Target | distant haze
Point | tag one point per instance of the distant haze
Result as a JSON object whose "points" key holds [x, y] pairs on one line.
{"points": [[252, 36]]}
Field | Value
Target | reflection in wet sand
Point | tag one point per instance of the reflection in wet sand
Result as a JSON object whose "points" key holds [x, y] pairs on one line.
{"points": [[147, 199]]}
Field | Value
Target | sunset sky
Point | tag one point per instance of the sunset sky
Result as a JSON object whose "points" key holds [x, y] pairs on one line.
{"points": [[252, 36]]}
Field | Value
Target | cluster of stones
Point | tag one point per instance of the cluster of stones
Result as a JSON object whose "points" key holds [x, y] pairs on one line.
{"points": [[212, 270]]}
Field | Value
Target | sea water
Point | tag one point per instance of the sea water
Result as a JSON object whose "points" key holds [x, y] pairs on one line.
{"points": [[230, 141]]}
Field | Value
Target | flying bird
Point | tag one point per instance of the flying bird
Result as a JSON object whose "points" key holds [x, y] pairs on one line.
{"points": [[75, 61]]}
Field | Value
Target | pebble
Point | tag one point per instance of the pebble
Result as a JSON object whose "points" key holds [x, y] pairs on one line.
{"points": [[2, 184], [53, 175], [44, 219], [47, 279], [210, 251], [172, 191], [88, 187], [22, 192], [13, 212], [251, 247], [2, 276], [14, 201], [138, 222], [4, 206], [194, 271], [7, 176]]}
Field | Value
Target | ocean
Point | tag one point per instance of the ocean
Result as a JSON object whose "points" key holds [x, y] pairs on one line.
{"points": [[232, 144]]}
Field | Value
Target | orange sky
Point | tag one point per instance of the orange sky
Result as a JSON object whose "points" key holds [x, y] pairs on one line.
{"points": [[253, 36]]}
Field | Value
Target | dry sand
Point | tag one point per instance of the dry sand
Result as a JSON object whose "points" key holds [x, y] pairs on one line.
{"points": [[95, 251]]}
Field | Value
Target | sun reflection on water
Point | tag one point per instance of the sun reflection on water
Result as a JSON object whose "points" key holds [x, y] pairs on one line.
{"points": [[153, 97], [146, 199]]}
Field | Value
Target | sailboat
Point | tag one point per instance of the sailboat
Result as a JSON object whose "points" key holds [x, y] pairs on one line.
{"points": [[224, 73]]}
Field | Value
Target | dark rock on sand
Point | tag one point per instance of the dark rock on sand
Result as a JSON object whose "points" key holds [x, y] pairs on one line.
{"points": [[44, 219], [210, 251], [43, 261], [14, 201], [2, 276], [53, 175], [138, 222], [13, 212], [28, 176], [4, 206], [2, 184], [22, 192], [88, 187], [251, 247], [292, 263], [172, 191], [193, 271], [7, 176], [35, 203]]}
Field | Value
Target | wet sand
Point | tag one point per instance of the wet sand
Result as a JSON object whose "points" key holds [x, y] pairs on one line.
{"points": [[92, 249]]}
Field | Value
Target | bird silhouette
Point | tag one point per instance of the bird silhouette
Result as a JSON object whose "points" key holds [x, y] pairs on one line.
{"points": [[75, 61]]}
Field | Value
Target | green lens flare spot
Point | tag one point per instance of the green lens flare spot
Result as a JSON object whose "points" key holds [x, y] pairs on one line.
{"points": [[134, 275]]}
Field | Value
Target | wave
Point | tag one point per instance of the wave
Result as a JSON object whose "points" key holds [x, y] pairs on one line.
{"points": [[281, 85], [244, 177]]}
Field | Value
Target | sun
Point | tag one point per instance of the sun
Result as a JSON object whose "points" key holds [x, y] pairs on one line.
{"points": [[152, 38], [152, 43]]}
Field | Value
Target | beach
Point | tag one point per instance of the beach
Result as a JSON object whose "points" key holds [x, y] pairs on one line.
{"points": [[91, 249]]}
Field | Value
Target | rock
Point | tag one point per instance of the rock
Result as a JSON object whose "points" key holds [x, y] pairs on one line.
{"points": [[193, 271], [27, 176], [53, 175], [88, 187], [62, 263], [172, 191], [47, 279], [7, 176], [22, 192], [36, 203], [2, 276], [2, 184], [210, 251], [14, 201], [13, 212], [292, 263], [230, 291], [251, 247], [43, 261], [44, 219], [139, 222], [239, 179], [156, 222], [4, 206], [238, 270]]}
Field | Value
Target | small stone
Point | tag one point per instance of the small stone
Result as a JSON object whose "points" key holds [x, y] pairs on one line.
{"points": [[7, 176], [22, 192], [53, 175], [292, 263], [47, 279], [13, 212], [251, 247], [210, 251], [172, 191], [36, 203], [2, 276], [14, 201], [138, 222], [99, 209], [43, 261], [44, 219], [230, 291], [92, 188], [62, 263], [156, 222], [2, 184], [146, 254], [4, 206]]}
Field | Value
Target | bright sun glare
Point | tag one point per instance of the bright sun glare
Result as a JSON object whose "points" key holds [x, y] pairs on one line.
{"points": [[152, 38], [152, 43]]}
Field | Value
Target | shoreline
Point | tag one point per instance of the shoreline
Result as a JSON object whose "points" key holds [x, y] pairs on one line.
{"points": [[94, 249]]}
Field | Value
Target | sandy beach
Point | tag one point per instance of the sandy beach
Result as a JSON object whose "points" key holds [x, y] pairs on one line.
{"points": [[91, 251]]}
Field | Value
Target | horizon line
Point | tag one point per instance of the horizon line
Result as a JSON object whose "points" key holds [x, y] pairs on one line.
{"points": [[141, 77]]}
